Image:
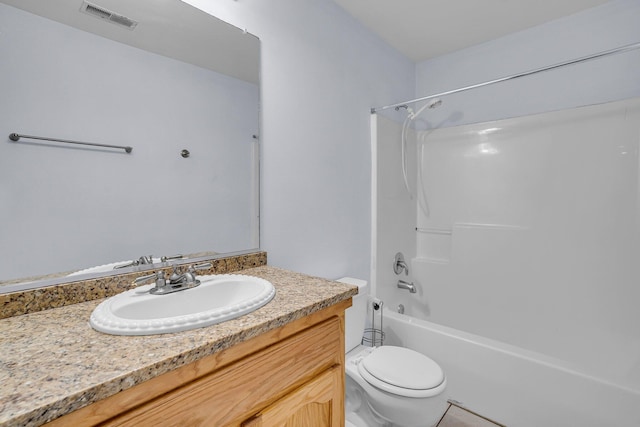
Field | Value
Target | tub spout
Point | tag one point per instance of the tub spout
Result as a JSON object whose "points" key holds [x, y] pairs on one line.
{"points": [[406, 285]]}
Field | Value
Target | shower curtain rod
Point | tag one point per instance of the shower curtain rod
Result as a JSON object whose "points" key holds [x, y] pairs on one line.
{"points": [[620, 49]]}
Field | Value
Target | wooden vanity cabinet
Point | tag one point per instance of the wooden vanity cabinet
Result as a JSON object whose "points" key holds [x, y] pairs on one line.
{"points": [[314, 404], [290, 376]]}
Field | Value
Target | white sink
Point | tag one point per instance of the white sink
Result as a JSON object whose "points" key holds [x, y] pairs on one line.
{"points": [[218, 298]]}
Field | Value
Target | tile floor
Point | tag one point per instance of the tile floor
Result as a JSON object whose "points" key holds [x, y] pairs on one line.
{"points": [[460, 417]]}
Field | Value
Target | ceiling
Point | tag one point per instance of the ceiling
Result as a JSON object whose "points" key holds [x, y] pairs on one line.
{"points": [[420, 29], [170, 28], [423, 29]]}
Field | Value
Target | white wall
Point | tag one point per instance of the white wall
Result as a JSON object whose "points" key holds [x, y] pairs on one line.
{"points": [[68, 207], [601, 28], [321, 74]]}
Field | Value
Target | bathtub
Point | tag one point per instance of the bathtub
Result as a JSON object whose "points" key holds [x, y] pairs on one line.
{"points": [[515, 386]]}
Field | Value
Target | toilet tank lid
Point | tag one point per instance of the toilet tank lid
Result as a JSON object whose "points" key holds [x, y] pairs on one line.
{"points": [[361, 284]]}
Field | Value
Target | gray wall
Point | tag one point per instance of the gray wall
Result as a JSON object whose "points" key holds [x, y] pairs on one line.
{"points": [[321, 74], [70, 208], [598, 29]]}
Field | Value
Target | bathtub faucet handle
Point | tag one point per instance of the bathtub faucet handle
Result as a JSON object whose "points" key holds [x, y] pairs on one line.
{"points": [[399, 264]]}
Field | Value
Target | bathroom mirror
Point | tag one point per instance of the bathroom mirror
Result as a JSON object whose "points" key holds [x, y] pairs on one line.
{"points": [[177, 85]]}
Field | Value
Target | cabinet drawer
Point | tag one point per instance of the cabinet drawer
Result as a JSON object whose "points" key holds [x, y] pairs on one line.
{"points": [[230, 395], [317, 403]]}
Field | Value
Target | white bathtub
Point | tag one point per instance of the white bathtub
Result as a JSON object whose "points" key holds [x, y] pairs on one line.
{"points": [[513, 386]]}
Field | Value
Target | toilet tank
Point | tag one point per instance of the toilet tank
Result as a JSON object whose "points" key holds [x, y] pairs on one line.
{"points": [[356, 315]]}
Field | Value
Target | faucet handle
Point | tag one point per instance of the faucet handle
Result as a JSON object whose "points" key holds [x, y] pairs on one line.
{"points": [[142, 260], [399, 264], [145, 260], [201, 266], [172, 257], [143, 279], [159, 281]]}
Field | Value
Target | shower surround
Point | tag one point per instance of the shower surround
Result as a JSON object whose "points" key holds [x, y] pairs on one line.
{"points": [[523, 237]]}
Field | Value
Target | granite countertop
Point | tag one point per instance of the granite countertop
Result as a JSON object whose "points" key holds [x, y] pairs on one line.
{"points": [[52, 362]]}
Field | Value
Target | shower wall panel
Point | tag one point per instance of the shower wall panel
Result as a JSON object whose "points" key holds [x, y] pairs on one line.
{"points": [[394, 210], [532, 235]]}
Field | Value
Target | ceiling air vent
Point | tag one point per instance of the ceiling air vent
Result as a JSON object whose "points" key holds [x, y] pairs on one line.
{"points": [[106, 14]]}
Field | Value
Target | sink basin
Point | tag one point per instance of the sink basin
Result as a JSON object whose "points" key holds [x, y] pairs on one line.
{"points": [[219, 298]]}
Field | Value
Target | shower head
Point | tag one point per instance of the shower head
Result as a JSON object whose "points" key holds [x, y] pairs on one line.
{"points": [[433, 103]]}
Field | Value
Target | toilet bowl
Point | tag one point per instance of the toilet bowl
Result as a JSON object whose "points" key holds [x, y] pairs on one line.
{"points": [[399, 386], [388, 385]]}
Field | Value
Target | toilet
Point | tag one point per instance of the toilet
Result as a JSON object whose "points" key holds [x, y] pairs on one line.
{"points": [[387, 385]]}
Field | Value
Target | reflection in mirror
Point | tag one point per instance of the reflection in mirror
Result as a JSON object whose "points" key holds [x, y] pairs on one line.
{"points": [[179, 80]]}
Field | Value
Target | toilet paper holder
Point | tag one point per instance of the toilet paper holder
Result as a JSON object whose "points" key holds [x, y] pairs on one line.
{"points": [[373, 336]]}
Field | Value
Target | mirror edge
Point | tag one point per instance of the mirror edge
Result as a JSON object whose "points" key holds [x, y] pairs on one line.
{"points": [[63, 280]]}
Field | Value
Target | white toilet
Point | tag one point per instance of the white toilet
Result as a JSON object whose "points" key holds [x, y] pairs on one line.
{"points": [[387, 385]]}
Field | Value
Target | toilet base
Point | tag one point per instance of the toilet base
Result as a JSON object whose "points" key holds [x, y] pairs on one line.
{"points": [[353, 419]]}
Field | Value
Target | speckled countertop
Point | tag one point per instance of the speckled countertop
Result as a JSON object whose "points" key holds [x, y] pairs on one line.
{"points": [[52, 362]]}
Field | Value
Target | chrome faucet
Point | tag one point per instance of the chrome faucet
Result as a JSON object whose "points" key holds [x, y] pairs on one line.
{"points": [[142, 260], [188, 277], [159, 279], [176, 282], [147, 260], [408, 286]]}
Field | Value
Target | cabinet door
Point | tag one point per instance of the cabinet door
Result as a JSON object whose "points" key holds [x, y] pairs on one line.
{"points": [[317, 403]]}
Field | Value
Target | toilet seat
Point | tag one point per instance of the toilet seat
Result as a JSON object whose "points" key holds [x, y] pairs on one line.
{"points": [[402, 372]]}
